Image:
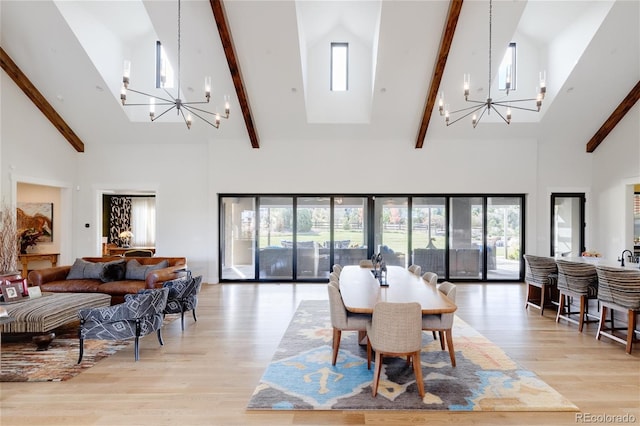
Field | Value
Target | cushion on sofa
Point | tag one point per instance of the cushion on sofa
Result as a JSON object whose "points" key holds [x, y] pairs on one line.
{"points": [[81, 269], [136, 271], [113, 271]]}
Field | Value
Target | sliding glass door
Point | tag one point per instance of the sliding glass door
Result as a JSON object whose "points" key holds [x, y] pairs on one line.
{"points": [[428, 234], [504, 237], [349, 231], [300, 237], [391, 230], [466, 237], [275, 238], [567, 225]]}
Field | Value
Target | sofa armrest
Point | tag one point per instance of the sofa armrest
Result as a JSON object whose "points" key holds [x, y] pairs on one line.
{"points": [[159, 276], [42, 276]]}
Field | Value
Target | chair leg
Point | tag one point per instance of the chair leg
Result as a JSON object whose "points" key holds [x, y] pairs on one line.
{"points": [[337, 334], [376, 374], [160, 337], [442, 339], [561, 307], [603, 318], [543, 292], [630, 329], [452, 353], [81, 350], [434, 335], [583, 302], [182, 319], [136, 348], [193, 311], [417, 369], [368, 355]]}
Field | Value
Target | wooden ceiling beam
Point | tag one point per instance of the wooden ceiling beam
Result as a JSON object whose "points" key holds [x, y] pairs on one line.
{"points": [[627, 103], [445, 45], [23, 82], [227, 43]]}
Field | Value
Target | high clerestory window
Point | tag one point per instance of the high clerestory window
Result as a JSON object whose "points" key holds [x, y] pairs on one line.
{"points": [[339, 67], [164, 70], [507, 70]]}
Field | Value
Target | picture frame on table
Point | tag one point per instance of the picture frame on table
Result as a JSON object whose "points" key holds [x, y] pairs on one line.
{"points": [[12, 292], [22, 282]]}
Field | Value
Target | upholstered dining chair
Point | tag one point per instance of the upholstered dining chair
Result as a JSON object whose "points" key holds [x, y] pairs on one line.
{"points": [[337, 268], [618, 290], [343, 320], [333, 276], [415, 269], [183, 296], [443, 323], [430, 278], [576, 280], [139, 315], [541, 276], [395, 330]]}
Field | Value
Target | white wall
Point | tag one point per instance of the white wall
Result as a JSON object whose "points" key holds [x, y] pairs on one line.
{"points": [[187, 177]]}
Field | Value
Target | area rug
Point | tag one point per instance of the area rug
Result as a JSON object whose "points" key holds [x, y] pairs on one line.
{"points": [[21, 362], [301, 377]]}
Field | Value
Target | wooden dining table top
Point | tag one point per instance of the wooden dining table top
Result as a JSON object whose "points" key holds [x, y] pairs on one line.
{"points": [[360, 290]]}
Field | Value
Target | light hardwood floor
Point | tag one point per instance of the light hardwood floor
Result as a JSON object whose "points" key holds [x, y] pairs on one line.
{"points": [[206, 374]]}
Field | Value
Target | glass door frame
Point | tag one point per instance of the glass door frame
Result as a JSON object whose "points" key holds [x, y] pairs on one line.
{"points": [[582, 198]]}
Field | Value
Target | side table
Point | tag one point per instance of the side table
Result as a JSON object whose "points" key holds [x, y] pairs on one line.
{"points": [[32, 257]]}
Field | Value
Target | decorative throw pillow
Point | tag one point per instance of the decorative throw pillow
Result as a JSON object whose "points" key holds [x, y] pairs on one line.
{"points": [[113, 271], [82, 269], [136, 271]]}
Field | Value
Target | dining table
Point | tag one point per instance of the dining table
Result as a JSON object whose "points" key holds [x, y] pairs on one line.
{"points": [[361, 290]]}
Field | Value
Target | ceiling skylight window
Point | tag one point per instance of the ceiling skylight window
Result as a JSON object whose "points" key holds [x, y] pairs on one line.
{"points": [[507, 70], [164, 70], [339, 67]]}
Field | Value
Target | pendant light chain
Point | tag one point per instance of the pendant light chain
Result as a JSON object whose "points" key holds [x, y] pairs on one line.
{"points": [[490, 19], [179, 48]]}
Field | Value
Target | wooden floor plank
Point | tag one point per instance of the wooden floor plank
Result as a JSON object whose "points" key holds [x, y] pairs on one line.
{"points": [[206, 374]]}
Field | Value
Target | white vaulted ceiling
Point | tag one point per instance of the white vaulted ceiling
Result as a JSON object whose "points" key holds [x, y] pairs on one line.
{"points": [[73, 51]]}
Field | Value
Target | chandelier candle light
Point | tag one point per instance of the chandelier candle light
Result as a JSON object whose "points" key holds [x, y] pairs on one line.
{"points": [[490, 104], [174, 102]]}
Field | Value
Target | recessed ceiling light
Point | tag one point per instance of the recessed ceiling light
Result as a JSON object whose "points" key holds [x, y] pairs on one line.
{"points": [[294, 90], [60, 98], [383, 90], [99, 88], [570, 89]]}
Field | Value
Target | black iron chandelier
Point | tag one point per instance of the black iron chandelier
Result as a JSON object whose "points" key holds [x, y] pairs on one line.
{"points": [[486, 106], [172, 102]]}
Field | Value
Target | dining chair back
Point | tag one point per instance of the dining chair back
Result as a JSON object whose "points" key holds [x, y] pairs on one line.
{"points": [[395, 330], [618, 289], [430, 278], [541, 277], [415, 269], [443, 323], [576, 280], [341, 319]]}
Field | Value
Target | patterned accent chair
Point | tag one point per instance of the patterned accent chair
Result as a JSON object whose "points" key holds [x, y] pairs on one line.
{"points": [[183, 295], [139, 315], [618, 289], [541, 277], [576, 280]]}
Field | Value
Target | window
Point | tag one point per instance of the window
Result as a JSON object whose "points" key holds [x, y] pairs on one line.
{"points": [[507, 70], [339, 67], [164, 70]]}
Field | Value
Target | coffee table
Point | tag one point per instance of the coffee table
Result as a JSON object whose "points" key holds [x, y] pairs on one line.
{"points": [[40, 316]]}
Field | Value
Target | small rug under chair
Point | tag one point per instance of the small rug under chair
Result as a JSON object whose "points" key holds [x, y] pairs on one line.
{"points": [[20, 361], [301, 377]]}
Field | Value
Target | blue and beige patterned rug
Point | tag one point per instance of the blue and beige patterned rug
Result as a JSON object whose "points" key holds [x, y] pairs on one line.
{"points": [[301, 377]]}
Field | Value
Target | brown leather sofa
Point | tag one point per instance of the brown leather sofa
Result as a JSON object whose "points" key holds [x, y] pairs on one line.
{"points": [[55, 279]]}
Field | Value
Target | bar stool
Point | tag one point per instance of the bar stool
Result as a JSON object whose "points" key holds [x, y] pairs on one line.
{"points": [[579, 280], [618, 289], [542, 274]]}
